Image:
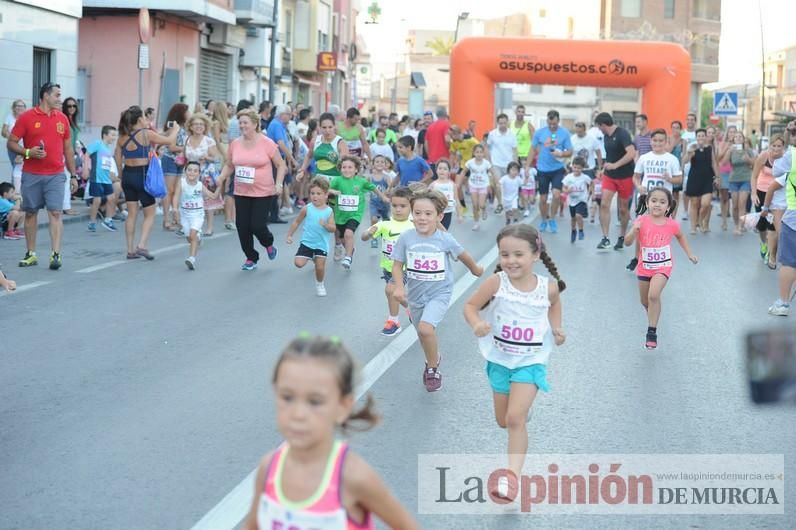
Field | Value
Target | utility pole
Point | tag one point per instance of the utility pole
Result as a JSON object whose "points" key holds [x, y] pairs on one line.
{"points": [[271, 68], [761, 133]]}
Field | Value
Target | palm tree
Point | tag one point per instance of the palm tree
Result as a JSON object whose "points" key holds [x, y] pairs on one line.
{"points": [[440, 45]]}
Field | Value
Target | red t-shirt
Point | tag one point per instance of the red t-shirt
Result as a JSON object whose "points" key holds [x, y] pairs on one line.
{"points": [[435, 138], [34, 127]]}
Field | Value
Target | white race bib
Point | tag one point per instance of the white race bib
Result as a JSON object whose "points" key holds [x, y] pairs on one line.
{"points": [[519, 336], [656, 257], [244, 175], [386, 248], [425, 266], [348, 203], [478, 180], [106, 163]]}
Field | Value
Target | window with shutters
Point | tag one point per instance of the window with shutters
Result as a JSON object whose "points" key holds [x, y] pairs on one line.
{"points": [[42, 69], [214, 74]]}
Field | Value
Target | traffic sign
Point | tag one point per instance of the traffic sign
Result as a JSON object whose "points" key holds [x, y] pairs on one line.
{"points": [[725, 103]]}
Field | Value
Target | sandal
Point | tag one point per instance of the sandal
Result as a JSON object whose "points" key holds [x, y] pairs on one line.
{"points": [[207, 234], [772, 266], [168, 228], [132, 256], [144, 253]]}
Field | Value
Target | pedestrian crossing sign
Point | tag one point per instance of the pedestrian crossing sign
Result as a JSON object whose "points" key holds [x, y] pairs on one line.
{"points": [[725, 103]]}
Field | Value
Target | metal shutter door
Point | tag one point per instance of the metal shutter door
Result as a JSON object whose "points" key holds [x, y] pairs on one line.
{"points": [[213, 76]]}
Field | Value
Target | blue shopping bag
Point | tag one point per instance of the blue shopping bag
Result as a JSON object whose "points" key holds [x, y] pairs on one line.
{"points": [[155, 184]]}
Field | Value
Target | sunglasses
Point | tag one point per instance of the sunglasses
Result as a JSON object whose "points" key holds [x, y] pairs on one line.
{"points": [[71, 106]]}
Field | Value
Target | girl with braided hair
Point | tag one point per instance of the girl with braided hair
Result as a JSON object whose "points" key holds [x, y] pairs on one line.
{"points": [[521, 323]]}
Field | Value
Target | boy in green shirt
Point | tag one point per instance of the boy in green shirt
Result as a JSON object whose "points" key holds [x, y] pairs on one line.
{"points": [[351, 190], [389, 231]]}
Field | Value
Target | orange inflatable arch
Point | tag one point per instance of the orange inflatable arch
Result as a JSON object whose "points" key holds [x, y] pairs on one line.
{"points": [[661, 69]]}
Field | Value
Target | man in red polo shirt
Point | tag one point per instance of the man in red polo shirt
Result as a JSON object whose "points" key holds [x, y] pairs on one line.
{"points": [[44, 131], [438, 139]]}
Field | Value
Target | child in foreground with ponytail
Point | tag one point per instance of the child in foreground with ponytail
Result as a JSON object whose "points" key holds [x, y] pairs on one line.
{"points": [[312, 480], [521, 324]]}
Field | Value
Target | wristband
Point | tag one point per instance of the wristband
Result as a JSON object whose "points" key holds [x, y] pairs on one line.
{"points": [[27, 154]]}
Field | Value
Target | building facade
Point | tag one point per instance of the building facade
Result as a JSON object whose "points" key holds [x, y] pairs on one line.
{"points": [[695, 24], [39, 39], [193, 52]]}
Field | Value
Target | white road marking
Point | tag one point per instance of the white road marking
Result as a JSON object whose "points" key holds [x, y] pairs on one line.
{"points": [[25, 287], [233, 508], [157, 252]]}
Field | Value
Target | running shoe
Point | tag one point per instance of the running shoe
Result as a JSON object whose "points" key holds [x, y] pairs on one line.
{"points": [[320, 289], [92, 227], [476, 227], [179, 233], [632, 265], [29, 260], [374, 243], [543, 226], [391, 328], [652, 341], [526, 213], [432, 378], [230, 226], [604, 244], [55, 261], [779, 309], [620, 243], [190, 262], [483, 215], [499, 208], [144, 253], [764, 251], [573, 236], [108, 225], [248, 265], [581, 235], [465, 211], [347, 263], [553, 226], [12, 235], [272, 252], [339, 250]]}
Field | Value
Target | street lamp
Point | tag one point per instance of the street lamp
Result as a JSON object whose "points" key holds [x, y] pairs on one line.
{"points": [[459, 18]]}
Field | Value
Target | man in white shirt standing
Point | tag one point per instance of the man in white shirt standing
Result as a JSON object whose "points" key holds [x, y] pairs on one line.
{"points": [[502, 144], [588, 148]]}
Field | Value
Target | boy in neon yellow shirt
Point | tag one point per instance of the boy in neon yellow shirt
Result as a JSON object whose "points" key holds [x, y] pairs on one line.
{"points": [[389, 232]]}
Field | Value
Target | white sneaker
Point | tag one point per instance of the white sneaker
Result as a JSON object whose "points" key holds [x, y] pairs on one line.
{"points": [[779, 309], [320, 289], [526, 213], [476, 227], [190, 262], [158, 211]]}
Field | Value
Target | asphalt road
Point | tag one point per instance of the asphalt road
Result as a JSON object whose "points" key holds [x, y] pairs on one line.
{"points": [[137, 395]]}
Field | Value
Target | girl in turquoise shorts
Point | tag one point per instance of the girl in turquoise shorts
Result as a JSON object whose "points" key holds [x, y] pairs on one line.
{"points": [[523, 321]]}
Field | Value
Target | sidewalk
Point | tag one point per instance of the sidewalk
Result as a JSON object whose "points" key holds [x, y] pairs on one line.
{"points": [[78, 206]]}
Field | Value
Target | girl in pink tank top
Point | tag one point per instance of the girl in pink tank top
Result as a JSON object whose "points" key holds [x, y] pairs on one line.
{"points": [[312, 481], [655, 231]]}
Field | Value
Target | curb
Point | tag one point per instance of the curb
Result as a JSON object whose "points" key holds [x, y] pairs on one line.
{"points": [[68, 219]]}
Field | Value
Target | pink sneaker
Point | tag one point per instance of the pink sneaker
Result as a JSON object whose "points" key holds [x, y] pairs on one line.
{"points": [[432, 378], [11, 234]]}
